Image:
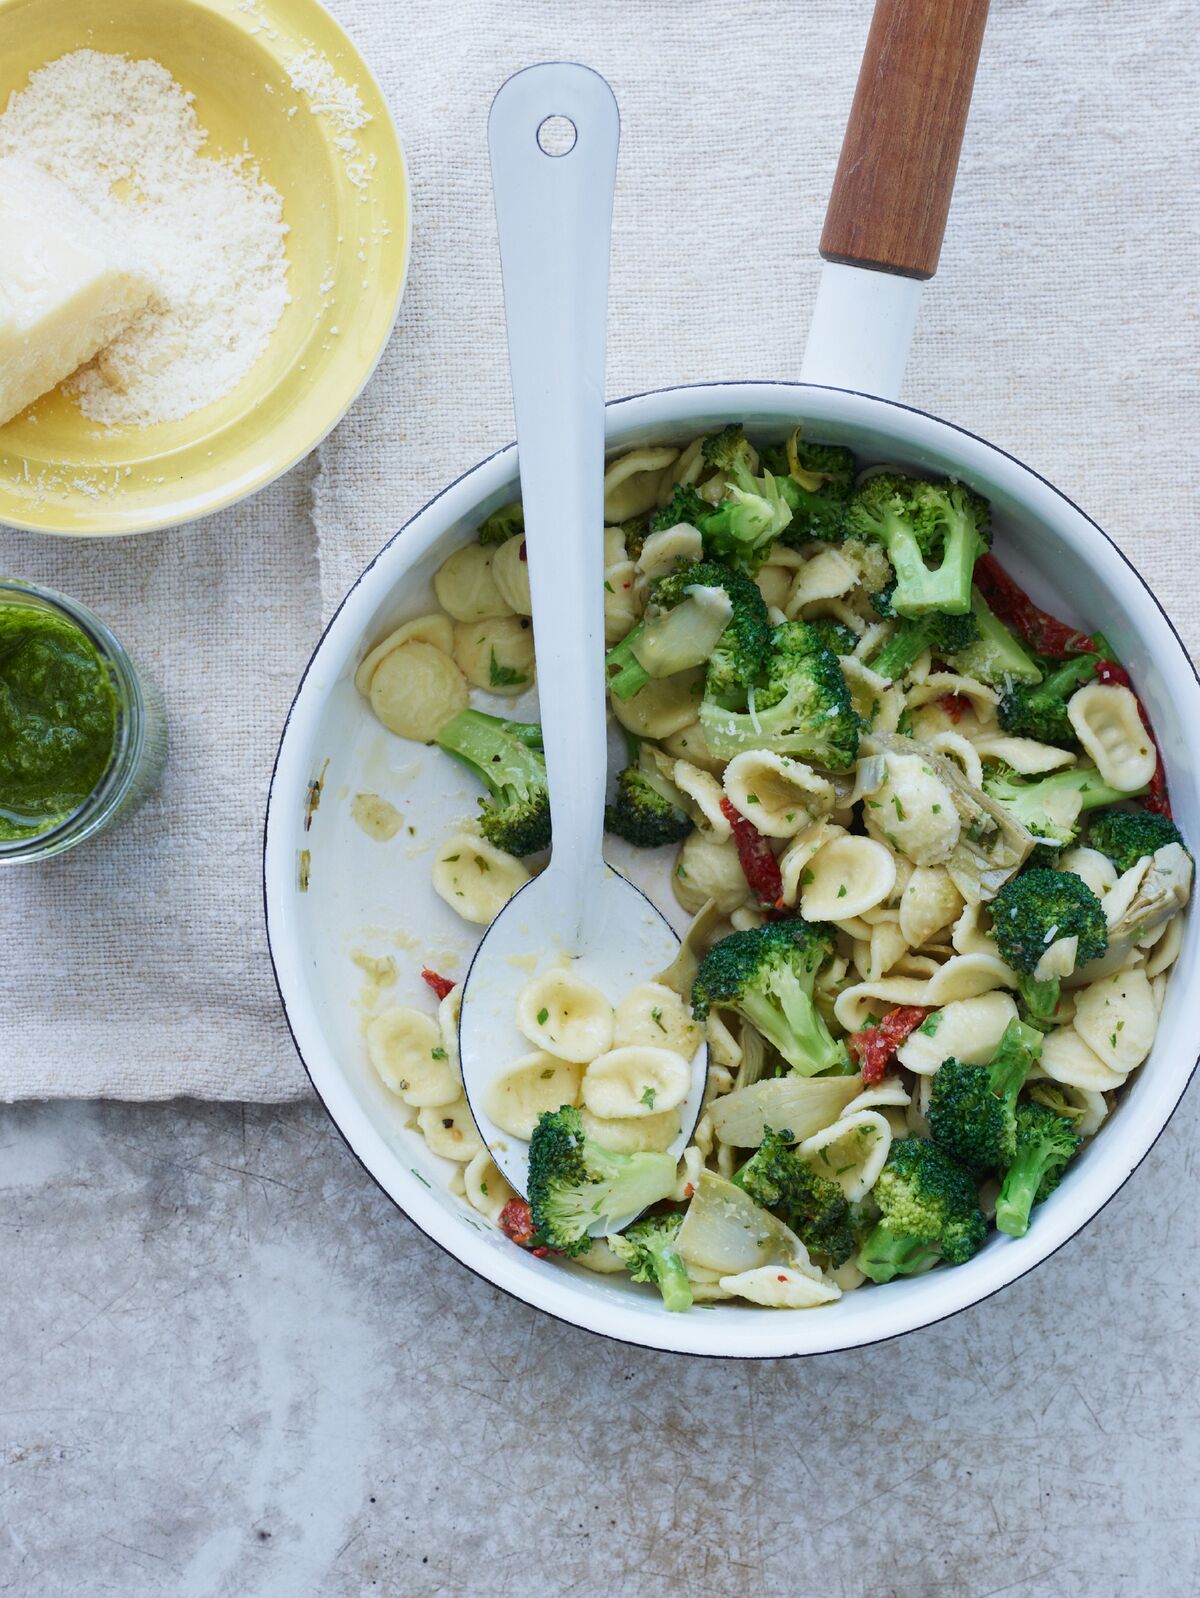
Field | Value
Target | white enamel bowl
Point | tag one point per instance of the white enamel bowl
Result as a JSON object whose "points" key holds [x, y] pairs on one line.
{"points": [[377, 897]]}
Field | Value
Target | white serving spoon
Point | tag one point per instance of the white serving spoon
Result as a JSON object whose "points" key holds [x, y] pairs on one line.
{"points": [[554, 213]]}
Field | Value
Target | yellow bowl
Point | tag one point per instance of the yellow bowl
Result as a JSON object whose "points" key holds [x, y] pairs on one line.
{"points": [[345, 200]]}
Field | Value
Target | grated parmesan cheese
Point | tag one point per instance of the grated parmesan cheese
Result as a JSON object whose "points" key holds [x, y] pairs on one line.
{"points": [[338, 103], [123, 136]]}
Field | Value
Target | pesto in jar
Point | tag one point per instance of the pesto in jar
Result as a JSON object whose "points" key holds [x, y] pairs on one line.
{"points": [[58, 720]]}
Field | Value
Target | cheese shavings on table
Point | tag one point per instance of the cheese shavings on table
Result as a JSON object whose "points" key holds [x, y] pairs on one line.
{"points": [[68, 284], [122, 136]]}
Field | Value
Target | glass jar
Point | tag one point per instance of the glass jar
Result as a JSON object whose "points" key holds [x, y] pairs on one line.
{"points": [[139, 746]]}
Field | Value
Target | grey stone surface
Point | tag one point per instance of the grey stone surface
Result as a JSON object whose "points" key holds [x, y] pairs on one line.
{"points": [[230, 1369]]}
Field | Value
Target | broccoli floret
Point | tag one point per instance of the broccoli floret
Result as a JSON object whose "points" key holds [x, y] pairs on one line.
{"points": [[817, 481], [1052, 1096], [506, 755], [642, 813], [742, 528], [647, 1250], [802, 709], [1127, 836], [503, 524], [735, 659], [1035, 910], [997, 657], [972, 1108], [835, 635], [1050, 807], [1044, 1144], [918, 522], [727, 449], [684, 506], [1040, 710], [767, 975], [945, 634], [576, 1185], [814, 1207], [929, 1210]]}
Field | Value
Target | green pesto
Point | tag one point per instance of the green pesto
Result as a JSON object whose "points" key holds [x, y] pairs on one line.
{"points": [[58, 720]]}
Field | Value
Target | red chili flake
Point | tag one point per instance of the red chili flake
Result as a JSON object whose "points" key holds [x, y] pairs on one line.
{"points": [[1044, 634], [521, 554], [516, 1222], [759, 865], [781, 1277], [874, 1046], [440, 985], [955, 705]]}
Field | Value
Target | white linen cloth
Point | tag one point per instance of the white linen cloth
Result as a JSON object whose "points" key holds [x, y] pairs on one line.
{"points": [[1061, 326]]}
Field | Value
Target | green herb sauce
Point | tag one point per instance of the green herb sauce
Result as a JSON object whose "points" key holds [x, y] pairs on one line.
{"points": [[58, 720]]}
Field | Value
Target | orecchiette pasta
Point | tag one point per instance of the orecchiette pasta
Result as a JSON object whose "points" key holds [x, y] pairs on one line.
{"points": [[708, 868], [794, 860], [620, 600], [781, 796], [1097, 870], [435, 630], [450, 1131], [531, 1085], [665, 550], [640, 1134], [845, 877], [1116, 1017], [966, 1030], [914, 811], [780, 1287], [631, 482], [851, 1152], [466, 586], [828, 575], [1067, 1057], [565, 1015], [475, 879], [690, 744], [510, 572], [636, 1081], [497, 654], [1023, 755], [665, 705], [486, 1187], [929, 903], [406, 1049], [1108, 724], [652, 1013], [702, 794], [416, 689]]}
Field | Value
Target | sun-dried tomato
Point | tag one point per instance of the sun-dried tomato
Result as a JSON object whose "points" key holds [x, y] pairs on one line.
{"points": [[1044, 634], [440, 985], [516, 1222], [759, 865], [955, 705], [874, 1046]]}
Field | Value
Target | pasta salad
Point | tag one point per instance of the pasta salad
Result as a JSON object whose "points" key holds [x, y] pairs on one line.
{"points": [[923, 831]]}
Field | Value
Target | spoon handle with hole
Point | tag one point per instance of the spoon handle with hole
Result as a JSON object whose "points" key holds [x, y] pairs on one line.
{"points": [[554, 216]]}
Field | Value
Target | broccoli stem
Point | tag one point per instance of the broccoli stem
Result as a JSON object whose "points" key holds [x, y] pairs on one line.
{"points": [[898, 654], [627, 675], [795, 1028], [887, 1254], [494, 750], [672, 1276], [1040, 999], [1019, 1192]]}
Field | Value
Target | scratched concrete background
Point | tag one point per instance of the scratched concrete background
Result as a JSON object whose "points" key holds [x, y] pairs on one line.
{"points": [[230, 1369]]}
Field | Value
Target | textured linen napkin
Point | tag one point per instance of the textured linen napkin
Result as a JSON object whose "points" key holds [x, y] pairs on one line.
{"points": [[1062, 325], [136, 966]]}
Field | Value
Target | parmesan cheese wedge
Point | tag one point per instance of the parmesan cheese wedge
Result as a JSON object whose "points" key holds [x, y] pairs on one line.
{"points": [[69, 283]]}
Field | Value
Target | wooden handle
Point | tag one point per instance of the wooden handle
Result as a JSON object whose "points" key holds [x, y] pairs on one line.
{"points": [[899, 156]]}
